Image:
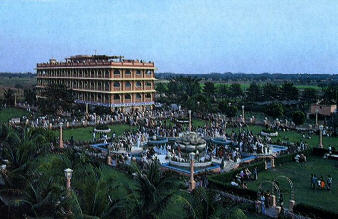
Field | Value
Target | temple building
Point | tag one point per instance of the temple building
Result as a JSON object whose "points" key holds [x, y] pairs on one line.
{"points": [[100, 80]]}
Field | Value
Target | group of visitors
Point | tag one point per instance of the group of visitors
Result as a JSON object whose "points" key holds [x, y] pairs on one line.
{"points": [[300, 158], [320, 183], [243, 176]]}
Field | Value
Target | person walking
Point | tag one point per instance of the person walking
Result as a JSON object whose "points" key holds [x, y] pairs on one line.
{"points": [[263, 204], [329, 182], [314, 181]]}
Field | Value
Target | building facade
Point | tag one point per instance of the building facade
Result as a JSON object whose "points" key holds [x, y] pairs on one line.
{"points": [[325, 110], [109, 81]]}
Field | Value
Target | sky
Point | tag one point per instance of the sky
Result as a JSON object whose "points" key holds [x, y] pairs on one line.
{"points": [[183, 36]]}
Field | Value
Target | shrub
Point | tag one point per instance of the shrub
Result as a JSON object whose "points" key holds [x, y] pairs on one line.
{"points": [[274, 110], [313, 212], [225, 186], [102, 127], [298, 117], [227, 177]]}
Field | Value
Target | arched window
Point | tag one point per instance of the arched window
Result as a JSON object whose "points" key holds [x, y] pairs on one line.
{"points": [[128, 72], [138, 72], [127, 97], [148, 72], [148, 95], [116, 96], [128, 84], [107, 74], [138, 84], [138, 96], [92, 85], [107, 87], [116, 84], [116, 72], [148, 84], [92, 74]]}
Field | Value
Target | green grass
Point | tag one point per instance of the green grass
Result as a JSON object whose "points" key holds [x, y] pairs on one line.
{"points": [[302, 87], [8, 113], [300, 174], [293, 136], [86, 134]]}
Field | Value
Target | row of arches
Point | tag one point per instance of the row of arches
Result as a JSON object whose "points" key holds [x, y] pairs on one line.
{"points": [[94, 73], [98, 85], [114, 98]]}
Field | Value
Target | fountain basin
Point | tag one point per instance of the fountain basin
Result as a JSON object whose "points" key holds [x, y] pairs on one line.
{"points": [[187, 164]]}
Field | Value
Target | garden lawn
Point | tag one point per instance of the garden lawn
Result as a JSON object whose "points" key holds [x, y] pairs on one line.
{"points": [[300, 174], [293, 136], [9, 113], [86, 134]]}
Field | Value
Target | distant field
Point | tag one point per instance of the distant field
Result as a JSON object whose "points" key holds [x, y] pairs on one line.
{"points": [[302, 87], [25, 82], [245, 86], [17, 83]]}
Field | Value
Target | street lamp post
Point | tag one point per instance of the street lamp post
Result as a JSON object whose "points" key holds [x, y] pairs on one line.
{"points": [[317, 111], [109, 159], [68, 175], [243, 117], [61, 140], [192, 183], [321, 136]]}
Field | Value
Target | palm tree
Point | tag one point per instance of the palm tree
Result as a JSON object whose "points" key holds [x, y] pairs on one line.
{"points": [[9, 96], [155, 190]]}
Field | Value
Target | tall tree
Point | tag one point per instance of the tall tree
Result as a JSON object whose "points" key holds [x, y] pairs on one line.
{"points": [[222, 90], [271, 92], [254, 92], [289, 91], [331, 94], [9, 98], [30, 96], [309, 95], [58, 99], [275, 110], [209, 89], [235, 90], [161, 88]]}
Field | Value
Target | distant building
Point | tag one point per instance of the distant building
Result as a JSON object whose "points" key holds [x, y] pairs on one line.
{"points": [[101, 80], [325, 110]]}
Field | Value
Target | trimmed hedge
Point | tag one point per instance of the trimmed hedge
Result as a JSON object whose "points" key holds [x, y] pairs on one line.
{"points": [[102, 127], [227, 177], [286, 158], [313, 212], [224, 186], [320, 151]]}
